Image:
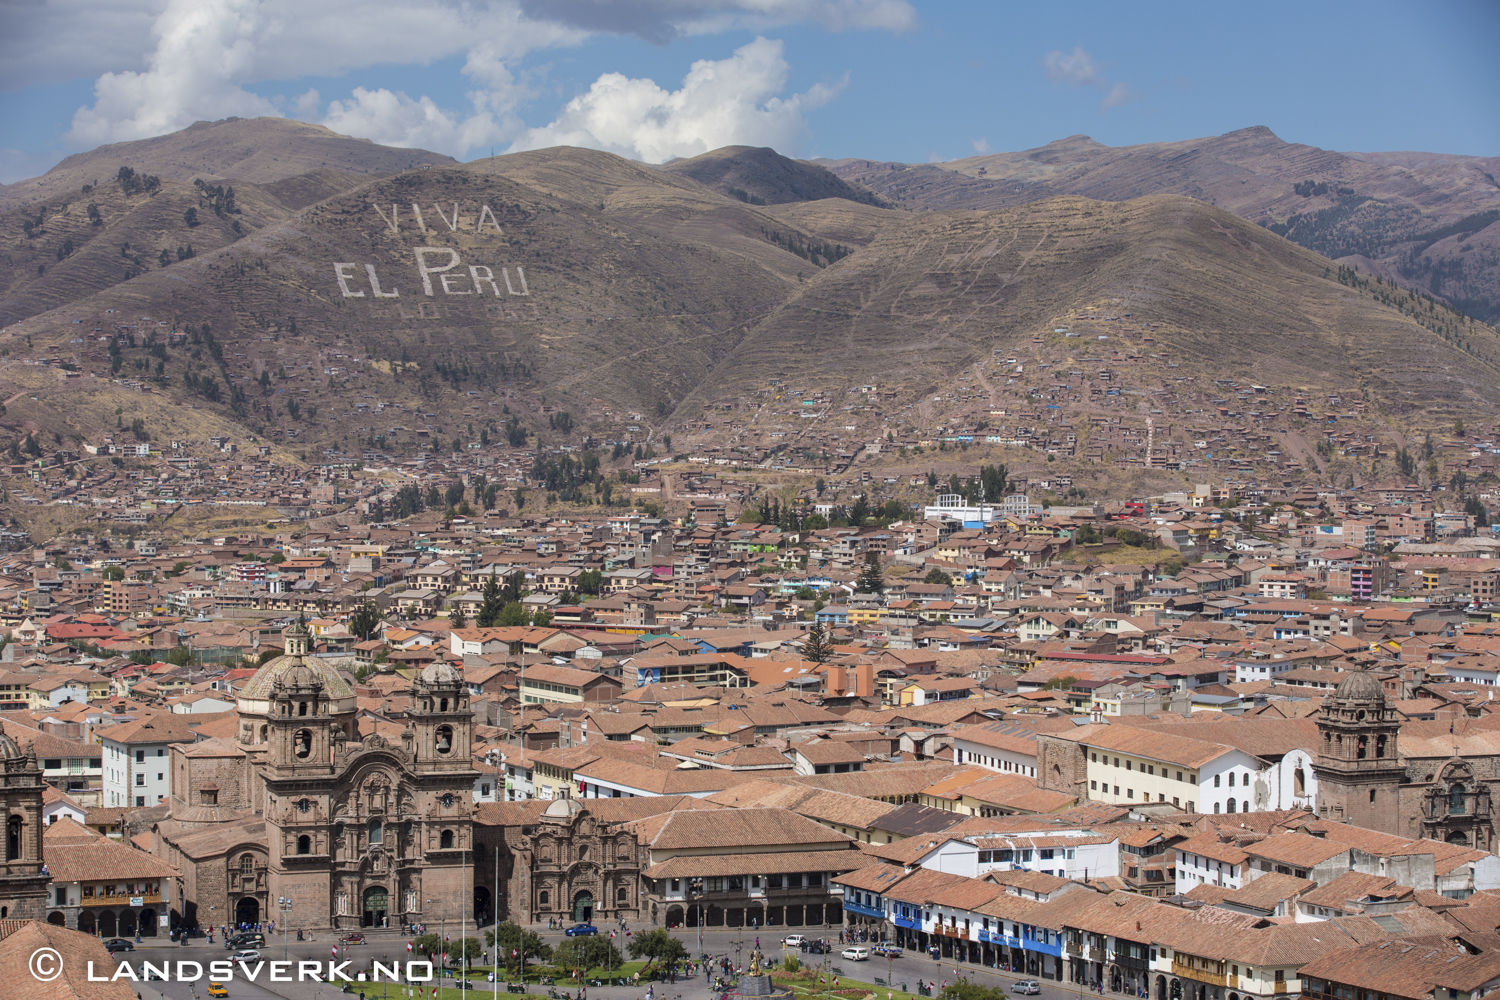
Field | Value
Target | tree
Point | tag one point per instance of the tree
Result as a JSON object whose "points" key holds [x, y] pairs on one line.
{"points": [[657, 947], [179, 656], [515, 943], [859, 510], [817, 647], [365, 621], [454, 493], [430, 945], [820, 485], [871, 578], [513, 614], [456, 618], [542, 618], [190, 216], [113, 573], [1458, 428], [936, 575], [492, 605], [592, 951], [1475, 508]]}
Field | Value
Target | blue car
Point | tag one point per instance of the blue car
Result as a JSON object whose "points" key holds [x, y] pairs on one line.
{"points": [[581, 930]]}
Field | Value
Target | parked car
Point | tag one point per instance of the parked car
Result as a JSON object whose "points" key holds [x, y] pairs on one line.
{"points": [[581, 930], [246, 955], [217, 990], [793, 941], [355, 938], [118, 944], [235, 942], [858, 953], [1028, 987]]}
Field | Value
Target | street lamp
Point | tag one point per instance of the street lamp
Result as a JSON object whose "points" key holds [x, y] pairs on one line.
{"points": [[284, 903], [695, 891]]}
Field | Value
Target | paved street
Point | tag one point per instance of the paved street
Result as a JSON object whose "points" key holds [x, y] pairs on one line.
{"points": [[911, 968]]}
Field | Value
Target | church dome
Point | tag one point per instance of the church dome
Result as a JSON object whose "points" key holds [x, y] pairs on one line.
{"points": [[1358, 685], [294, 671], [562, 809], [9, 750], [440, 673]]}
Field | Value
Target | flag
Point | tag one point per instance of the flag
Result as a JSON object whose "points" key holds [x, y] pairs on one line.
{"points": [[514, 954], [408, 947]]}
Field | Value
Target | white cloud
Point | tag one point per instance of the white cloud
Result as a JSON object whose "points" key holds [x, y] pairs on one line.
{"points": [[393, 119], [981, 145], [1119, 95], [721, 103], [1078, 69]]}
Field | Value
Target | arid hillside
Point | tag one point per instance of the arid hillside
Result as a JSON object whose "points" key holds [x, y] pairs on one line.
{"points": [[248, 150], [1430, 221]]}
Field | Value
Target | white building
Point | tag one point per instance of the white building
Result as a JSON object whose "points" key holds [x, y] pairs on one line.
{"points": [[997, 746], [135, 761]]}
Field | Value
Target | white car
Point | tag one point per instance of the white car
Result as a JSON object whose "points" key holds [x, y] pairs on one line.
{"points": [[793, 941], [246, 955], [858, 954]]}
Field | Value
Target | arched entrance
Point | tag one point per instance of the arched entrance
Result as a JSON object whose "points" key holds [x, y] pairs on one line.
{"points": [[377, 901], [1161, 988], [56, 917], [483, 912], [86, 922], [147, 923], [107, 925], [674, 916], [127, 923], [247, 911], [583, 907]]}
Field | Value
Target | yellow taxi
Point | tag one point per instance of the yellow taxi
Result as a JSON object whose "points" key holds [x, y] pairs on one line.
{"points": [[217, 990]]}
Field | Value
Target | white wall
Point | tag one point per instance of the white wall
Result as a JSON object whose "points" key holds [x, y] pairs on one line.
{"points": [[1195, 869], [121, 769], [993, 758]]}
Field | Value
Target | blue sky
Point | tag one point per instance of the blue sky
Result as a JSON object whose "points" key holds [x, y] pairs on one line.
{"points": [[883, 79]]}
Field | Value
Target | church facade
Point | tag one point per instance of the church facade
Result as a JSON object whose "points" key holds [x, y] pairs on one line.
{"points": [[23, 877], [1411, 779], [305, 822]]}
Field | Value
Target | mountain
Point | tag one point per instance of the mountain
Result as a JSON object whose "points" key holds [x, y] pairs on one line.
{"points": [[762, 176], [415, 309], [245, 150], [1430, 221]]}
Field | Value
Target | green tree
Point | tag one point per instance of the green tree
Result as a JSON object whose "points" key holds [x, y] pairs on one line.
{"points": [[859, 510], [657, 947], [492, 605], [592, 951], [513, 614], [454, 493], [872, 577], [179, 656], [542, 618], [1458, 428], [430, 945], [936, 575], [520, 498], [817, 647], [464, 951], [1475, 508], [190, 216], [113, 573], [365, 621], [516, 944], [456, 618]]}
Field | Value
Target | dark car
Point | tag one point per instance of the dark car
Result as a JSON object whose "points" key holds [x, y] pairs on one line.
{"points": [[237, 942], [581, 930], [355, 938], [118, 944]]}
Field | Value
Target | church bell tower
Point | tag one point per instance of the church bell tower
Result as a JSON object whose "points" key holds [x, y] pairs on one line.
{"points": [[1359, 770]]}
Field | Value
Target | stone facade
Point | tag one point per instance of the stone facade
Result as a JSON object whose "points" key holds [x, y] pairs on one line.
{"points": [[23, 881], [351, 832]]}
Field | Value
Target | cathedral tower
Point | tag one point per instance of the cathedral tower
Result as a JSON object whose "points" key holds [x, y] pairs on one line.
{"points": [[23, 882], [1358, 768]]}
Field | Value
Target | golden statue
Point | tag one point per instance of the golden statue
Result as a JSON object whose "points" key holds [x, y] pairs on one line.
{"points": [[755, 963]]}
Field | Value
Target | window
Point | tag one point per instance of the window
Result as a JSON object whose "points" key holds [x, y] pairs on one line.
{"points": [[377, 832], [140, 780], [1372, 795], [140, 800], [208, 796], [1231, 779], [542, 896], [1230, 806], [1094, 785], [1130, 793], [1127, 765], [1150, 768], [1117, 762], [445, 840], [444, 742], [140, 756], [247, 864], [622, 895], [1216, 780], [1179, 775], [304, 844], [1046, 854], [1094, 757], [302, 743]]}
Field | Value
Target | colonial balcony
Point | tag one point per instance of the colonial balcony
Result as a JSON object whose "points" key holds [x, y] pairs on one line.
{"points": [[956, 933], [122, 899], [1183, 971]]}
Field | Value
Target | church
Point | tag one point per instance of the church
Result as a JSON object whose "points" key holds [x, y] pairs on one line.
{"points": [[1412, 779], [302, 821]]}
